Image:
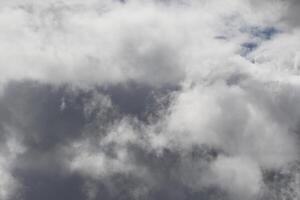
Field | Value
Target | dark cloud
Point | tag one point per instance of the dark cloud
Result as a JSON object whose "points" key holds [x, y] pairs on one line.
{"points": [[46, 185], [49, 118], [35, 110], [139, 100]]}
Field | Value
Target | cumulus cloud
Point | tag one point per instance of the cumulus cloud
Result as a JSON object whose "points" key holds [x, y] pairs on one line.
{"points": [[160, 99], [58, 43]]}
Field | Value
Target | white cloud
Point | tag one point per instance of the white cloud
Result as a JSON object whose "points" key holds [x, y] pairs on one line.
{"points": [[245, 106], [94, 162], [99, 42], [239, 176], [9, 151]]}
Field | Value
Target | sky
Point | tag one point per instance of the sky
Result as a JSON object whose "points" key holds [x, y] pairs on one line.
{"points": [[150, 100]]}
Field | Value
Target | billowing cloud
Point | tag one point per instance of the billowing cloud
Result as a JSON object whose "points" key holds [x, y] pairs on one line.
{"points": [[160, 99]]}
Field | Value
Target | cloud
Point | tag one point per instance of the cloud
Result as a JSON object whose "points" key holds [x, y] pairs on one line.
{"points": [[175, 99], [237, 175], [75, 44], [10, 149]]}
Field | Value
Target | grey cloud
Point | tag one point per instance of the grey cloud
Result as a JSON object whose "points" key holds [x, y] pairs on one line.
{"points": [[34, 110], [176, 99], [288, 10], [292, 14]]}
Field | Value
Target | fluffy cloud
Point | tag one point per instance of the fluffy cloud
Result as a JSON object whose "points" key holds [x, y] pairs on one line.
{"points": [[240, 176], [174, 99]]}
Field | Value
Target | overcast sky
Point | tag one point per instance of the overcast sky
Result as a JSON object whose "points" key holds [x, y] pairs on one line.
{"points": [[149, 100]]}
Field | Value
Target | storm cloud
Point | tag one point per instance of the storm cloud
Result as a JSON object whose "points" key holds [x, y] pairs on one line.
{"points": [[159, 99]]}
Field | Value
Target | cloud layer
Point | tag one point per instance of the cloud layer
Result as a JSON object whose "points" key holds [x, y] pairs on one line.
{"points": [[173, 99]]}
